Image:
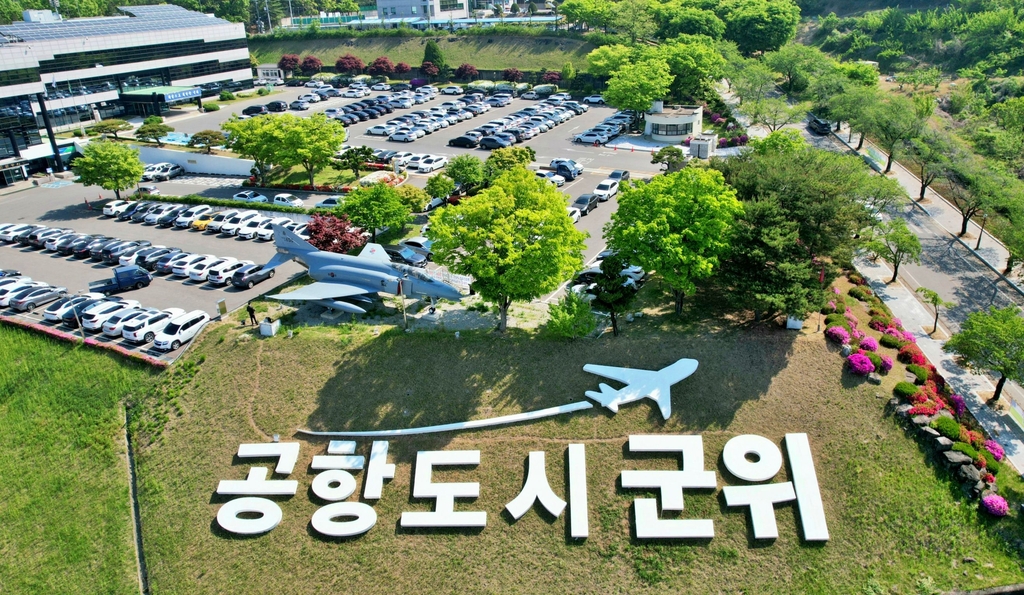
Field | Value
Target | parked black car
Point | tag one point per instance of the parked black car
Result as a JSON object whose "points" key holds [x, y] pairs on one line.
{"points": [[467, 142], [401, 87], [250, 275], [165, 265], [586, 203], [255, 110], [818, 126], [150, 261], [294, 83], [167, 219], [139, 215], [277, 106], [69, 248], [405, 255], [72, 316], [96, 252], [135, 208], [112, 255], [493, 142]]}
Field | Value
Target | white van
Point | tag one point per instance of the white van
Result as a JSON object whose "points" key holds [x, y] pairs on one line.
{"points": [[180, 330]]}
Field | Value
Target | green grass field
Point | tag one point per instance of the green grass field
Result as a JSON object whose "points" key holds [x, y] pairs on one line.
{"points": [[897, 522], [65, 521], [493, 53]]}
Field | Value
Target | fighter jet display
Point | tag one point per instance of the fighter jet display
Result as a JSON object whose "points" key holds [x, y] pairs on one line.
{"points": [[653, 384], [341, 277]]}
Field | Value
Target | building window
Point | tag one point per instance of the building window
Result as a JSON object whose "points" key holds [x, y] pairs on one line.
{"points": [[132, 55], [672, 129], [451, 5], [413, 9], [19, 76]]}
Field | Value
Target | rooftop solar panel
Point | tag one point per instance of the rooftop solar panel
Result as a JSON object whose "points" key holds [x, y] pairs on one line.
{"points": [[136, 19]]}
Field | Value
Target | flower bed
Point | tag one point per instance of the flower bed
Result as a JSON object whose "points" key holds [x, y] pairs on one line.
{"points": [[63, 336], [381, 177]]}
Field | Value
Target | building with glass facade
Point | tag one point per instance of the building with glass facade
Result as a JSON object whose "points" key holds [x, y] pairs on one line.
{"points": [[58, 73]]}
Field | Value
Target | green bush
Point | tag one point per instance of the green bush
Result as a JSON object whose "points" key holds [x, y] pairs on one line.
{"points": [[920, 372], [860, 293], [263, 91], [211, 107], [890, 341], [226, 95], [991, 464], [571, 317], [904, 390], [836, 318], [880, 322], [948, 427], [875, 359], [967, 449], [195, 199], [153, 120]]}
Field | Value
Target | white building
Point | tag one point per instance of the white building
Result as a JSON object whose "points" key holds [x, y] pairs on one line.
{"points": [[439, 11], [673, 123]]}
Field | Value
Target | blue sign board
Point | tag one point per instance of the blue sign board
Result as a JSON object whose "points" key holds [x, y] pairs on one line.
{"points": [[186, 94]]}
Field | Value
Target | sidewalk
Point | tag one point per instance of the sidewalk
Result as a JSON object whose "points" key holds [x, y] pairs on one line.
{"points": [[916, 318]]}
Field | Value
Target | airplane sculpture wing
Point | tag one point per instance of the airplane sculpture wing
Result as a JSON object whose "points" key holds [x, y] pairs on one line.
{"points": [[652, 384], [323, 291], [612, 372]]}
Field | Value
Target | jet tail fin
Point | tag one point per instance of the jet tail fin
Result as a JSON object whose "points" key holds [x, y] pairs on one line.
{"points": [[374, 252], [290, 242]]}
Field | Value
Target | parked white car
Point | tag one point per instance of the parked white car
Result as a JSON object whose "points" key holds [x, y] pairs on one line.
{"points": [[221, 218], [250, 196], [595, 99], [183, 267], [185, 219], [247, 231], [432, 164], [552, 177], [153, 216], [8, 292], [221, 274], [574, 214], [381, 87], [180, 330], [406, 136], [606, 189], [144, 328], [287, 200], [94, 317], [199, 272], [115, 324], [231, 226], [116, 207], [265, 231], [382, 130], [55, 311]]}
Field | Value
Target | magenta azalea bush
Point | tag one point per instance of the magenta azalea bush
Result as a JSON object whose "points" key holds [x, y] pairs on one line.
{"points": [[886, 364], [997, 451], [837, 334], [858, 335], [958, 404], [851, 318], [869, 344], [860, 364], [995, 505]]}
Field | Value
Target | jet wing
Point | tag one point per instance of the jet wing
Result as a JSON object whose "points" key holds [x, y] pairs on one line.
{"points": [[323, 291], [613, 372], [278, 260]]}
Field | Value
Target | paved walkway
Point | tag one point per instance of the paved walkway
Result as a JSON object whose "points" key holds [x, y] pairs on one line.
{"points": [[915, 318]]}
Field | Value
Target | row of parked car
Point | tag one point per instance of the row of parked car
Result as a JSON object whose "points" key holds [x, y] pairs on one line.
{"points": [[521, 125], [114, 317], [611, 127], [242, 223]]}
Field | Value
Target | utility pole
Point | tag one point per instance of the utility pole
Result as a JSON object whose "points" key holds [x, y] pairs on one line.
{"points": [[270, 24]]}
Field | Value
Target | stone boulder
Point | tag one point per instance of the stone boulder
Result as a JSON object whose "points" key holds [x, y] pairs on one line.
{"points": [[846, 350], [929, 432], [874, 378], [923, 420], [953, 458], [942, 444], [969, 474], [903, 410]]}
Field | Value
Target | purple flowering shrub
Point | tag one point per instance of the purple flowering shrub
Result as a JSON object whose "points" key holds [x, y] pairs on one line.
{"points": [[837, 334], [995, 505], [958, 404], [860, 364], [997, 451], [869, 344], [886, 364]]}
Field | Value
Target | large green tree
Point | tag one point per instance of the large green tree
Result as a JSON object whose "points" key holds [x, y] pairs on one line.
{"points": [[110, 166], [895, 243], [153, 132], [376, 207], [797, 64], [992, 341], [678, 18], [310, 142], [634, 18], [608, 58], [514, 238], [753, 81], [695, 64], [508, 159], [637, 86], [207, 139], [894, 122], [259, 139], [930, 154], [972, 188], [759, 25], [855, 106], [354, 159], [467, 170], [774, 113], [440, 186], [677, 224]]}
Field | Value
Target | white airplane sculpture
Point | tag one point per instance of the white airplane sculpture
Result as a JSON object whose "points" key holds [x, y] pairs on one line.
{"points": [[652, 384]]}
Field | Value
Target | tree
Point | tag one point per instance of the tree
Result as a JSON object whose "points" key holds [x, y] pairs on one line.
{"points": [[207, 139], [1010, 230], [432, 53], [402, 68], [759, 25], [532, 8], [440, 186], [551, 77], [970, 188], [413, 197], [153, 133], [932, 297], [695, 64], [612, 290], [608, 58], [930, 154], [311, 65], [514, 238], [354, 159], [467, 170], [673, 158], [571, 317], [514, 9], [512, 75], [568, 72], [288, 62], [375, 207], [634, 18], [895, 243], [381, 66], [466, 72], [894, 122], [753, 82], [637, 86], [110, 166], [781, 142], [677, 224], [310, 142], [348, 64], [675, 19], [258, 139], [112, 127], [507, 159], [429, 69], [992, 341], [333, 233], [797, 64], [774, 113]]}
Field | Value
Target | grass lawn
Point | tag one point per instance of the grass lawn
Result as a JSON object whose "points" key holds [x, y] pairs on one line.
{"points": [[897, 522], [65, 520], [328, 175], [491, 53]]}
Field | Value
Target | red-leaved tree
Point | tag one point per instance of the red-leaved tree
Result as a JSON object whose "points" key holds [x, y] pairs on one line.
{"points": [[288, 62], [552, 78], [348, 63], [311, 65], [333, 234], [429, 69], [466, 71], [382, 65], [402, 68], [512, 75]]}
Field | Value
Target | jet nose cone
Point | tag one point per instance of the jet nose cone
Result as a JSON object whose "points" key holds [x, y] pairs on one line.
{"points": [[450, 293]]}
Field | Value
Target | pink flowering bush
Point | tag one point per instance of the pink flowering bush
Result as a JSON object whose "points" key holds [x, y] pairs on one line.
{"points": [[997, 451], [995, 505], [858, 335], [835, 290], [837, 334], [958, 404], [869, 344], [886, 364], [860, 364], [851, 318], [909, 336]]}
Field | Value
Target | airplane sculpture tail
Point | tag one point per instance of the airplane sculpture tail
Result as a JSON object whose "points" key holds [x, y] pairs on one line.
{"points": [[289, 246], [607, 397]]}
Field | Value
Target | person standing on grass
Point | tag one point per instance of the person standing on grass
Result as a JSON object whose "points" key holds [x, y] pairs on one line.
{"points": [[252, 313]]}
